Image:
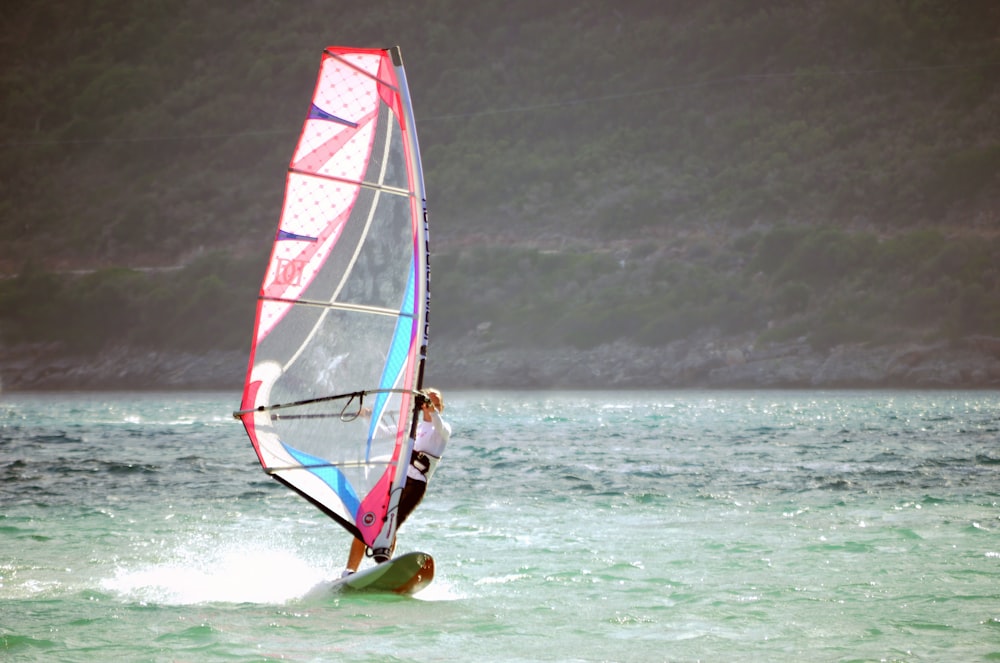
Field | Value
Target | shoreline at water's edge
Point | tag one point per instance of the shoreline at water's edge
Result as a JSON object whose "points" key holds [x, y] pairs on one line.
{"points": [[971, 363]]}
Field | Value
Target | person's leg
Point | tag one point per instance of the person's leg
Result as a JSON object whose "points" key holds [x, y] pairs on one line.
{"points": [[413, 492], [357, 552]]}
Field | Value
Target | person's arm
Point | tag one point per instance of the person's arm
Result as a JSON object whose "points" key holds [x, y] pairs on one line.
{"points": [[442, 427], [380, 426]]}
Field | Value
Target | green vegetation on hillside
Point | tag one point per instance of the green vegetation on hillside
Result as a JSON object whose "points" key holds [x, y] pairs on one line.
{"points": [[826, 285], [827, 169], [205, 306]]}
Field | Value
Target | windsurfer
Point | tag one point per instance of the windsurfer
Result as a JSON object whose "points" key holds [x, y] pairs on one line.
{"points": [[433, 433]]}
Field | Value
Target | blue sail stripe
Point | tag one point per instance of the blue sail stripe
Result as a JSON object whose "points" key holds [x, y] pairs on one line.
{"points": [[284, 234], [317, 113], [331, 476], [398, 352]]}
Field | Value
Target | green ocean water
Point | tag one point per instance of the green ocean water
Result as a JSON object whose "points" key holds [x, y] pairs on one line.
{"points": [[569, 526]]}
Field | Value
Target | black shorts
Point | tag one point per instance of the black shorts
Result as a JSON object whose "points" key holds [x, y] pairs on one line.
{"points": [[413, 492]]}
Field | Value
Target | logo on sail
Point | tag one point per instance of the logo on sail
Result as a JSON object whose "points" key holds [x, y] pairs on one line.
{"points": [[288, 271]]}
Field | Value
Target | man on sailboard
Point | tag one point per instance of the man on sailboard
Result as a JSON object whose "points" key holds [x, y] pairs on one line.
{"points": [[433, 433]]}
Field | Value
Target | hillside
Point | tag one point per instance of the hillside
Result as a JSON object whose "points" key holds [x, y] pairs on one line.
{"points": [[640, 173]]}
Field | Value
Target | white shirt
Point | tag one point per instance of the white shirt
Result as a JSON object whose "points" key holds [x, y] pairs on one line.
{"points": [[432, 436]]}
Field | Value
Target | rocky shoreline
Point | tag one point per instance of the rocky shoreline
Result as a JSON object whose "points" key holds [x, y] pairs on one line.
{"points": [[474, 363]]}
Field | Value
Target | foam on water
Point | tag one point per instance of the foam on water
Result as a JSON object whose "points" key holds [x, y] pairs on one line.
{"points": [[226, 575]]}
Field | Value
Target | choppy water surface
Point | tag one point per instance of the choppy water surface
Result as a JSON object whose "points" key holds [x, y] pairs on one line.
{"points": [[632, 526]]}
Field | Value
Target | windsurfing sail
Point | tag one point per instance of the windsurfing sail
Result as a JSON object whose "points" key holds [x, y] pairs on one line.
{"points": [[340, 335]]}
